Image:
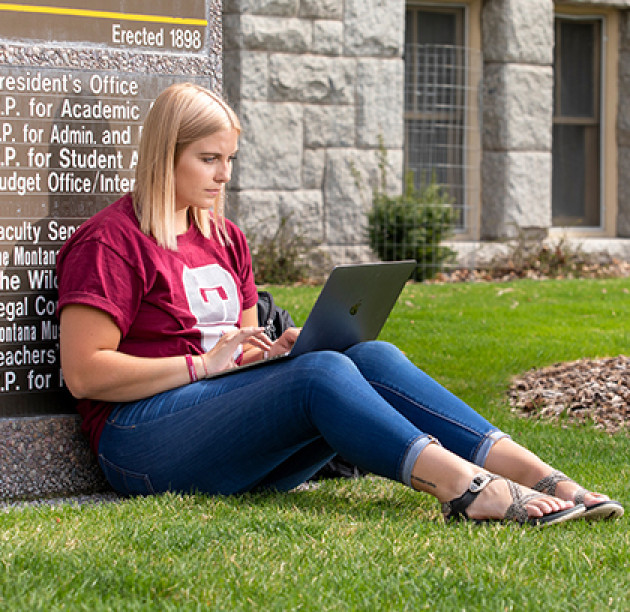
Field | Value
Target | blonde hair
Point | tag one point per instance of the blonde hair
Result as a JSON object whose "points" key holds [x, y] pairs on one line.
{"points": [[181, 114]]}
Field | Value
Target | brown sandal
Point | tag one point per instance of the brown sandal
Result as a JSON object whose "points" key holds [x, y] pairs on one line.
{"points": [[607, 509], [456, 508]]}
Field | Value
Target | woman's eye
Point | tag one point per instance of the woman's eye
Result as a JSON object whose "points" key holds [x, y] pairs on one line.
{"points": [[233, 157]]}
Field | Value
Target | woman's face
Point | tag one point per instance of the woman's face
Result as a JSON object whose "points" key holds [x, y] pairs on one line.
{"points": [[203, 168]]}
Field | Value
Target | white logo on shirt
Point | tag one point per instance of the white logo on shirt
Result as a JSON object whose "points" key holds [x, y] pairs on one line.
{"points": [[213, 300]]}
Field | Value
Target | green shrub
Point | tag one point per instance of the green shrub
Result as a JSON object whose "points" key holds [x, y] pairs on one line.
{"points": [[412, 226], [281, 258]]}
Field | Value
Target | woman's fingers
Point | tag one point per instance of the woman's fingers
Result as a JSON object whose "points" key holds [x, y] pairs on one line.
{"points": [[221, 356], [285, 343], [245, 334], [256, 336]]}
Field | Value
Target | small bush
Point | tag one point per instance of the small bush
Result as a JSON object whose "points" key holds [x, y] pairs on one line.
{"points": [[281, 258], [531, 258], [412, 226]]}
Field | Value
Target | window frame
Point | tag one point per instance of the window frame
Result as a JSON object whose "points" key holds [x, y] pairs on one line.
{"points": [[471, 146], [608, 98]]}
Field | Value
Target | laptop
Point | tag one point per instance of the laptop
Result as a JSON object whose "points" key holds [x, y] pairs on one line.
{"points": [[353, 306]]}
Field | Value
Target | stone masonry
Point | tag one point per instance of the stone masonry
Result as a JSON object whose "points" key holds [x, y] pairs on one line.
{"points": [[518, 40], [319, 89], [318, 86], [517, 117]]}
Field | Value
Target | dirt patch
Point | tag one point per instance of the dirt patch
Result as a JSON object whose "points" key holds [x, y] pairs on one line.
{"points": [[585, 391]]}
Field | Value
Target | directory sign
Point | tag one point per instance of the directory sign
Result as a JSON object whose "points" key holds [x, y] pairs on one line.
{"points": [[68, 147]]}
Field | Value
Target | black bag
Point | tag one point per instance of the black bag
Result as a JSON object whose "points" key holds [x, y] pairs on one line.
{"points": [[276, 320]]}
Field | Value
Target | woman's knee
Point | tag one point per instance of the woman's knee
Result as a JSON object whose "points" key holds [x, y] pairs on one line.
{"points": [[324, 362], [376, 351], [327, 372]]}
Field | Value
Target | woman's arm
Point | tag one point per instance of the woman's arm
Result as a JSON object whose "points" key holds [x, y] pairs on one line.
{"points": [[94, 368]]}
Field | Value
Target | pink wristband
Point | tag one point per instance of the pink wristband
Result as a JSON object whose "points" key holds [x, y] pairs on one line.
{"points": [[192, 371], [205, 369]]}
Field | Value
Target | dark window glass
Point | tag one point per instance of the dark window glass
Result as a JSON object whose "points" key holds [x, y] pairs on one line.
{"points": [[436, 28], [576, 199], [577, 69]]}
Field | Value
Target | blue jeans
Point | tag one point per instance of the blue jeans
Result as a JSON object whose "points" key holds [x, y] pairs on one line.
{"points": [[275, 426]]}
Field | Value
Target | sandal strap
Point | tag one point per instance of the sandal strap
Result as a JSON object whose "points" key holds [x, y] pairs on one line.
{"points": [[456, 508], [579, 496], [517, 511], [549, 483]]}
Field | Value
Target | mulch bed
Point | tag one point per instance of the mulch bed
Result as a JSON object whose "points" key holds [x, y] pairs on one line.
{"points": [[595, 391]]}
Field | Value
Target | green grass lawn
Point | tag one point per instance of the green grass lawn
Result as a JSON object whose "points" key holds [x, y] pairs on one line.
{"points": [[367, 544]]}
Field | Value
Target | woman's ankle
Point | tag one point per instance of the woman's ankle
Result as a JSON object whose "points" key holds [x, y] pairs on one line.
{"points": [[513, 461], [442, 474]]}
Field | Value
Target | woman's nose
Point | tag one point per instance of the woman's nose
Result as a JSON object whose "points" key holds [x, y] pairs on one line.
{"points": [[224, 172]]}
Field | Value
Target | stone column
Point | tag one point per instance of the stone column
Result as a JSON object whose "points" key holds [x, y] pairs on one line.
{"points": [[517, 117], [318, 86], [623, 128]]}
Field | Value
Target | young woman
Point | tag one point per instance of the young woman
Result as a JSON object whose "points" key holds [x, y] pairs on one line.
{"points": [[156, 292]]}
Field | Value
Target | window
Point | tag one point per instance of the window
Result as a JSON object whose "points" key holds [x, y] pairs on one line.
{"points": [[438, 101], [576, 194]]}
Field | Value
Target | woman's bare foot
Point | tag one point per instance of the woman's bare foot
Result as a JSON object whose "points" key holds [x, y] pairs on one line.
{"points": [[598, 505], [521, 465], [491, 497], [498, 498], [460, 485], [571, 490]]}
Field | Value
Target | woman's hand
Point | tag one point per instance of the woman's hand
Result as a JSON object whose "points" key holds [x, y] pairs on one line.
{"points": [[94, 368], [285, 342], [256, 345], [221, 356]]}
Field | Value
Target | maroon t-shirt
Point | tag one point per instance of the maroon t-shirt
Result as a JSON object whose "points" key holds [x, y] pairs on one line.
{"points": [[164, 302]]}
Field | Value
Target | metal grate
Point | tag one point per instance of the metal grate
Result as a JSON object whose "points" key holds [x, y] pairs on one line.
{"points": [[442, 117], [442, 127]]}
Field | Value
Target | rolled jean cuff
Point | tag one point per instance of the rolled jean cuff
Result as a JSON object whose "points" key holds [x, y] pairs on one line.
{"points": [[411, 456], [487, 443]]}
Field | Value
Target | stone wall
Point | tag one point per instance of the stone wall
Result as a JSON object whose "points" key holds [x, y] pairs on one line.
{"points": [[518, 43], [318, 86], [46, 456]]}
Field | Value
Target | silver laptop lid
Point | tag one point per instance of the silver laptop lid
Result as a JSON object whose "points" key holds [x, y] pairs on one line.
{"points": [[353, 306]]}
